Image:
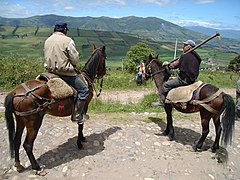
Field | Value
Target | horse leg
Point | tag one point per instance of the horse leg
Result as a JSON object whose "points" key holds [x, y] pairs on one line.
{"points": [[81, 138], [218, 130], [205, 118], [32, 126], [17, 142], [169, 129]]}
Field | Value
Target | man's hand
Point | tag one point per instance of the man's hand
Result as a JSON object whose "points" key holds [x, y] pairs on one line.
{"points": [[165, 63]]}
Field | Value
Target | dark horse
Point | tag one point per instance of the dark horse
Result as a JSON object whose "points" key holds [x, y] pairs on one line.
{"points": [[222, 106], [30, 101]]}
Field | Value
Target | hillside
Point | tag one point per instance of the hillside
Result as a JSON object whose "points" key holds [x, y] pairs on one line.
{"points": [[28, 41], [154, 29]]}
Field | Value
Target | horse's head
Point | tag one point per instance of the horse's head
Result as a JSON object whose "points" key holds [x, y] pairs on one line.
{"points": [[95, 67], [154, 67]]}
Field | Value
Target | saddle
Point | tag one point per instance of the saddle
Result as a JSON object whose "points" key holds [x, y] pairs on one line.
{"points": [[58, 87], [182, 95]]}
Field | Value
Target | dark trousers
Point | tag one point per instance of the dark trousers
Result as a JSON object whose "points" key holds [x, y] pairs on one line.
{"points": [[173, 83], [78, 85]]}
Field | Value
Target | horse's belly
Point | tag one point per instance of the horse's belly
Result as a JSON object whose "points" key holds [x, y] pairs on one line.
{"points": [[61, 107], [188, 109]]}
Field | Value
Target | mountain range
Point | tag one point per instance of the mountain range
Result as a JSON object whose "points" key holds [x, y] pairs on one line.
{"points": [[152, 28], [228, 33]]}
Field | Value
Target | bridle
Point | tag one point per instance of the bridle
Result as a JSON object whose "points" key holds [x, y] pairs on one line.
{"points": [[148, 69]]}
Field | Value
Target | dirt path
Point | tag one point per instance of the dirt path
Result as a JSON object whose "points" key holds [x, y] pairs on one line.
{"points": [[124, 146]]}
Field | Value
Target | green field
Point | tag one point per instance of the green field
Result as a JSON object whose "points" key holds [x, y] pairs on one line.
{"points": [[29, 41]]}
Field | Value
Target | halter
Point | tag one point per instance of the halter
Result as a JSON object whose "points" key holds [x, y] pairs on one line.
{"points": [[149, 68]]}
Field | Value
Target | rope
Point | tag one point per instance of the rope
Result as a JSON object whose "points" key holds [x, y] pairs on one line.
{"points": [[27, 93], [206, 100]]}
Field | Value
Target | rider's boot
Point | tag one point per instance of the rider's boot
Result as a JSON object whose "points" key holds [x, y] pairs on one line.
{"points": [[160, 102], [79, 116]]}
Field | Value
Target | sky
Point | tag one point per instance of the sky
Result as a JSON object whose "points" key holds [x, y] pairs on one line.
{"points": [[218, 14]]}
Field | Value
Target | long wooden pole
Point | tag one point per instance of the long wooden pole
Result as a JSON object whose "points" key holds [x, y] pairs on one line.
{"points": [[197, 46]]}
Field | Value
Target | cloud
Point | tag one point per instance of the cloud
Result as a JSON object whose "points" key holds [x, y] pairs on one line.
{"points": [[159, 2], [204, 1], [7, 10], [214, 25]]}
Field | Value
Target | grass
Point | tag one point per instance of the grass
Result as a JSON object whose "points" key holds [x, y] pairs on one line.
{"points": [[117, 45]]}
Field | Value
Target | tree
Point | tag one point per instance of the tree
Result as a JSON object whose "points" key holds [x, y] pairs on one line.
{"points": [[234, 64], [137, 54]]}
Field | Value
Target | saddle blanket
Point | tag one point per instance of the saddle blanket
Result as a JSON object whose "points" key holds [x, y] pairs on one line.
{"points": [[58, 87], [182, 94]]}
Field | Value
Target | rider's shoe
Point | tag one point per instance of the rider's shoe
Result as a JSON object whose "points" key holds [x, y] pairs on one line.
{"points": [[158, 103]]}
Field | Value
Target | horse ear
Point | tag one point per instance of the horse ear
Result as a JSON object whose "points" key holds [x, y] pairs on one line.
{"points": [[94, 47], [103, 48], [157, 57], [150, 56]]}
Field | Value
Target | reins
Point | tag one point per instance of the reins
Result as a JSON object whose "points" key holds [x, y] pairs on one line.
{"points": [[90, 81]]}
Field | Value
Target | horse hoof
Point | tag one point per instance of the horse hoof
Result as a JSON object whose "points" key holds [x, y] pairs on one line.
{"points": [[170, 138], [79, 145], [19, 167], [41, 172], [195, 148], [83, 139]]}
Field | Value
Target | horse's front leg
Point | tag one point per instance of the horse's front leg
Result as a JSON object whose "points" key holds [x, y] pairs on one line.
{"points": [[169, 131], [81, 138]]}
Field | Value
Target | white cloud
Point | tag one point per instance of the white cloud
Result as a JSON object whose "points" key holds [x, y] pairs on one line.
{"points": [[204, 1], [214, 25], [159, 2], [7, 10], [68, 8]]}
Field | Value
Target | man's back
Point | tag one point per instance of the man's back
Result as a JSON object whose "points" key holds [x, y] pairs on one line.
{"points": [[60, 54]]}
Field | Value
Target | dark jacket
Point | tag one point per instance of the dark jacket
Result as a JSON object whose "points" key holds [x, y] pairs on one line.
{"points": [[188, 65]]}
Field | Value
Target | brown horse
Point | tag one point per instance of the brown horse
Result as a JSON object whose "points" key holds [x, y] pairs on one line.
{"points": [[30, 101], [220, 106]]}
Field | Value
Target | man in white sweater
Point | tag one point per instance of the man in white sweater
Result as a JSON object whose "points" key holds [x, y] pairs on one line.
{"points": [[61, 57]]}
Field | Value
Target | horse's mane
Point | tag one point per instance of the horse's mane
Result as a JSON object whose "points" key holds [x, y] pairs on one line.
{"points": [[159, 63]]}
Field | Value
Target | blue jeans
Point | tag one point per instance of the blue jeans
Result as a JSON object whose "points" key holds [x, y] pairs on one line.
{"points": [[78, 85]]}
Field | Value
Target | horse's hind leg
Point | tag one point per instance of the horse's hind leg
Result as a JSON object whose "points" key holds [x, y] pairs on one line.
{"points": [[33, 124], [17, 142], [205, 118], [218, 130]]}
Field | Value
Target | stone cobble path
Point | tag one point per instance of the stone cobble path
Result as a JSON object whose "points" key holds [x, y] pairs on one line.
{"points": [[123, 146]]}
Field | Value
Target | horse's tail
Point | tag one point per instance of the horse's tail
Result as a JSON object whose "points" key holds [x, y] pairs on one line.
{"points": [[10, 121], [228, 119]]}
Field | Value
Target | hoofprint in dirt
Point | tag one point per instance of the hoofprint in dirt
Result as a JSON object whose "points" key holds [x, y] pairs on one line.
{"points": [[124, 146]]}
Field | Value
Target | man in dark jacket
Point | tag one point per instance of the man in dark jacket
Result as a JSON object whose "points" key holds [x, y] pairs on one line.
{"points": [[188, 65]]}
